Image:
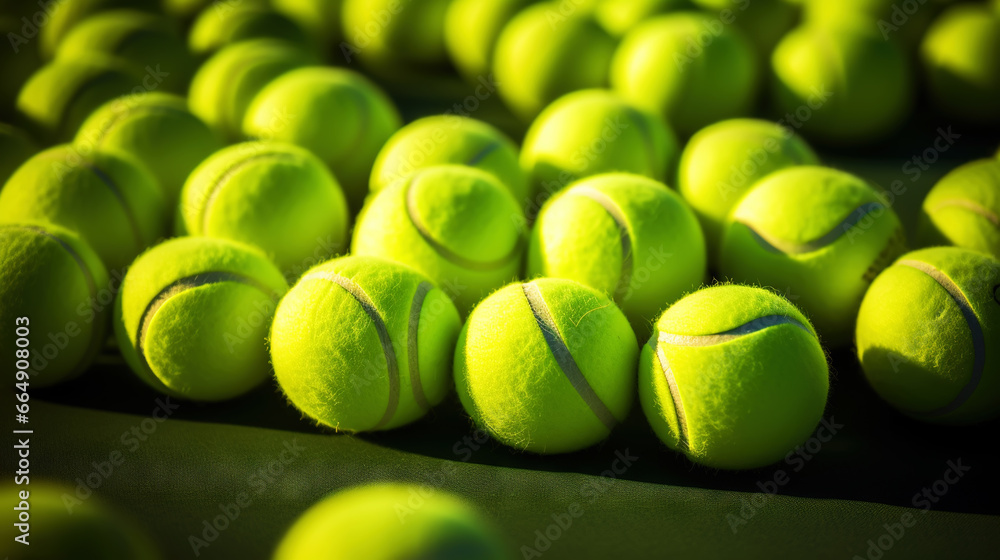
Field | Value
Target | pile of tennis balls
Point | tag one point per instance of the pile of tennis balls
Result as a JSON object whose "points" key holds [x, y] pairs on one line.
{"points": [[228, 193]]}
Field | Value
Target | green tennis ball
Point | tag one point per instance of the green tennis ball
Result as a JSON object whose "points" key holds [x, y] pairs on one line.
{"points": [[542, 54], [392, 522], [63, 16], [842, 86], [112, 202], [963, 209], [723, 161], [303, 107], [147, 42], [594, 131], [688, 67], [818, 235], [276, 196], [50, 281], [733, 377], [628, 236], [15, 148], [192, 315], [392, 33], [455, 224], [901, 22], [156, 129], [224, 86], [448, 139], [763, 22], [620, 16], [321, 19], [471, 30], [960, 55], [927, 335], [547, 366], [226, 23], [362, 344]]}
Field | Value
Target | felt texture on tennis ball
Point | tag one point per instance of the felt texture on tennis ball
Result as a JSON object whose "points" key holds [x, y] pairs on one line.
{"points": [[158, 130], [147, 42], [339, 115], [111, 201], [363, 344], [620, 16], [64, 16], [389, 32], [763, 22], [276, 196], [928, 335], [844, 86], [226, 23], [542, 55], [455, 224], [546, 366], [817, 234], [225, 85], [688, 67], [50, 282], [960, 55], [445, 139], [626, 235], [723, 161], [963, 209], [15, 148], [594, 131], [733, 377], [471, 30], [391, 521], [192, 315]]}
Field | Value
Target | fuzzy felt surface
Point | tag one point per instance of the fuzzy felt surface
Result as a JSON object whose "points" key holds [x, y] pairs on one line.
{"points": [[963, 208]]}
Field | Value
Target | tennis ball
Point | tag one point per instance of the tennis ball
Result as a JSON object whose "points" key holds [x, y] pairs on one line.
{"points": [[960, 55], [62, 17], [49, 285], [688, 67], [471, 30], [763, 22], [224, 86], [276, 196], [304, 106], [542, 54], [455, 224], [112, 202], [963, 209], [147, 42], [620, 16], [927, 335], [58, 526], [628, 236], [392, 522], [843, 86], [447, 139], [733, 377], [547, 366], [594, 131], [319, 18], [817, 234], [901, 22], [722, 161], [227, 23], [192, 315], [362, 344], [15, 148], [393, 33], [157, 130]]}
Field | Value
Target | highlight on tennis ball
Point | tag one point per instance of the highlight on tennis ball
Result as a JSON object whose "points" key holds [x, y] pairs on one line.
{"points": [[472, 29], [220, 25], [618, 17], [963, 208]]}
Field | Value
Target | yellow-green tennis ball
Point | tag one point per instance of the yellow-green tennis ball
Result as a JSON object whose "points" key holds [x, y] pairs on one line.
{"points": [[471, 30], [547, 366], [147, 42], [620, 16], [303, 107], [963, 209], [842, 86], [389, 32], [392, 522], [733, 377], [62, 16], [156, 129], [192, 316], [226, 23], [928, 334], [112, 202], [723, 161], [15, 148], [272, 195], [688, 67], [901, 22], [626, 235], [448, 139], [594, 131], [223, 88], [362, 344], [321, 19], [816, 234], [50, 282], [542, 54], [960, 55], [455, 224]]}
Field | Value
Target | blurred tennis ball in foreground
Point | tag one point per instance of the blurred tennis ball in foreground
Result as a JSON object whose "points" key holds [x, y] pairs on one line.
{"points": [[963, 208]]}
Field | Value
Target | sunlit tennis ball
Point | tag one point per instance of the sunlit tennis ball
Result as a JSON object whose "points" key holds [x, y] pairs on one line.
{"points": [[15, 148], [963, 209], [620, 16], [389, 32], [62, 16], [226, 23], [471, 30]]}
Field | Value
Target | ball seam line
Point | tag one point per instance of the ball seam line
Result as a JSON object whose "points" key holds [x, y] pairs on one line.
{"points": [[639, 118], [675, 397], [413, 330], [750, 327], [967, 205], [482, 153], [216, 187], [120, 116], [779, 246], [564, 358], [120, 196], [624, 234]]}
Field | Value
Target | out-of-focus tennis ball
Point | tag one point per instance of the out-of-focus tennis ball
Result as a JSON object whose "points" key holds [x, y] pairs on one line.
{"points": [[389, 32], [63, 16], [226, 23], [963, 209], [319, 18], [15, 148], [902, 22], [620, 16], [764, 22], [471, 30]]}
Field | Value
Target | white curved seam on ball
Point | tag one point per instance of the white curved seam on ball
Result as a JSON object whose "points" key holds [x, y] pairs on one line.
{"points": [[675, 397], [557, 345], [970, 206], [413, 331], [482, 153], [213, 191], [750, 327], [120, 196], [623, 232], [779, 246]]}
